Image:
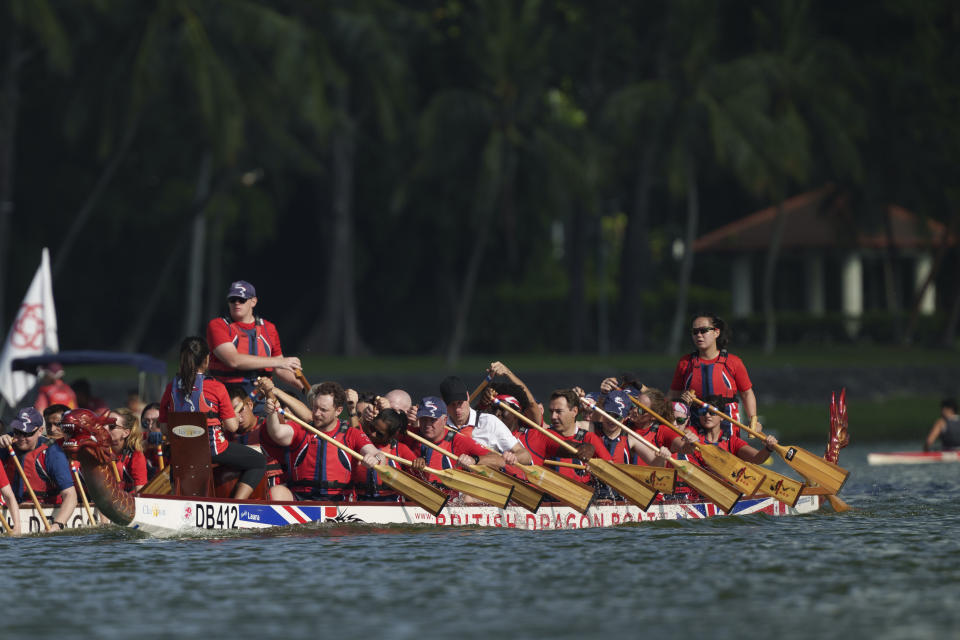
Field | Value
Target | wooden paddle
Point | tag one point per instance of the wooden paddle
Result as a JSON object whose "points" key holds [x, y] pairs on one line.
{"points": [[480, 387], [417, 491], [26, 483], [298, 373], [116, 472], [720, 493], [776, 485], [812, 467], [747, 478], [160, 456], [524, 494], [83, 496], [160, 485], [603, 470], [497, 493]]}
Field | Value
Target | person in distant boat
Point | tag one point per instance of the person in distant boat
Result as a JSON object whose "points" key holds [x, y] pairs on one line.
{"points": [[245, 346], [47, 468], [946, 428], [712, 370], [192, 390], [314, 468], [126, 440], [485, 428], [713, 429], [53, 390]]}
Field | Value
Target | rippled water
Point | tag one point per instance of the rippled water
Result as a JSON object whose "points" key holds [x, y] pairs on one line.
{"points": [[889, 569]]}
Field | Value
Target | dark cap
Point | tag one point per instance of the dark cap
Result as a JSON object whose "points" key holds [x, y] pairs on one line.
{"points": [[242, 289], [452, 389], [617, 404], [431, 407], [30, 420]]}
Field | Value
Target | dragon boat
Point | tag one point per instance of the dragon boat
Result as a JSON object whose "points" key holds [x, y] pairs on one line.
{"points": [[193, 501]]}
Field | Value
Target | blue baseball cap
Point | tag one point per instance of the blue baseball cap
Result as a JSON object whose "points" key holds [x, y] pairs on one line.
{"points": [[242, 289], [432, 407], [617, 404], [28, 420]]}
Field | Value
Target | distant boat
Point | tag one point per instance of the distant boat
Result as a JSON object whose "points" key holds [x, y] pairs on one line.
{"points": [[912, 457]]}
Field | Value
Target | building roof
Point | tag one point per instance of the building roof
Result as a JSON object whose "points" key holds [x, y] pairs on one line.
{"points": [[822, 219]]}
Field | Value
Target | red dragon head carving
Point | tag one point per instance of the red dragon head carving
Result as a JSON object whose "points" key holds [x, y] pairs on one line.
{"points": [[85, 431]]}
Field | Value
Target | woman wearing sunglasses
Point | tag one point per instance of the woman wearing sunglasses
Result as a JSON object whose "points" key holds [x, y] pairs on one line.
{"points": [[712, 370]]}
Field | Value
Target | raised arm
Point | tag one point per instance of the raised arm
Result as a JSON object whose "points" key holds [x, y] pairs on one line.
{"points": [[533, 409]]}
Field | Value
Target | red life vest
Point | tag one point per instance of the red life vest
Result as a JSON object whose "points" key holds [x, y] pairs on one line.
{"points": [[710, 379], [619, 447], [367, 482], [434, 458], [247, 341], [580, 475], [319, 469], [57, 393]]}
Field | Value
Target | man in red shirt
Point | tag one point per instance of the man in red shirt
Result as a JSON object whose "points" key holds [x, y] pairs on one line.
{"points": [[563, 410], [432, 423], [316, 469], [245, 346]]}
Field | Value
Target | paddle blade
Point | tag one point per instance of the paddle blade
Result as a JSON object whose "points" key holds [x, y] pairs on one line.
{"points": [[160, 485], [523, 494], [414, 489], [744, 476], [838, 505], [783, 488], [608, 473], [663, 479], [814, 468], [575, 495], [717, 492], [481, 488]]}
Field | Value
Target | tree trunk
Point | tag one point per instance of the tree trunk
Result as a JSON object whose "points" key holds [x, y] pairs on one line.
{"points": [[770, 280], [9, 109], [686, 265], [338, 331], [82, 216], [194, 285], [950, 330], [934, 271], [889, 258], [576, 271], [635, 255]]}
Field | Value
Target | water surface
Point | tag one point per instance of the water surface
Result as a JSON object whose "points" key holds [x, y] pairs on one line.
{"points": [[889, 569]]}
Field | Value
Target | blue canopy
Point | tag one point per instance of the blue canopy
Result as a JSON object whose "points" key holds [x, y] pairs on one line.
{"points": [[143, 362]]}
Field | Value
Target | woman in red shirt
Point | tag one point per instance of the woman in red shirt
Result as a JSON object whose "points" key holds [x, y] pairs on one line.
{"points": [[126, 440], [193, 391], [711, 370]]}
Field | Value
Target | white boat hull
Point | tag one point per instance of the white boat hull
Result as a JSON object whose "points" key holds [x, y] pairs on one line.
{"points": [[912, 457], [166, 516]]}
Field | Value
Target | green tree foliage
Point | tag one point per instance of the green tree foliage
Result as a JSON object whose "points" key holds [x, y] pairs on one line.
{"points": [[450, 176]]}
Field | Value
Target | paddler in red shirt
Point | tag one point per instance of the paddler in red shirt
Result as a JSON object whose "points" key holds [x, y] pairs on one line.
{"points": [[432, 424], [715, 430], [245, 346], [563, 409], [621, 446], [386, 425], [316, 469]]}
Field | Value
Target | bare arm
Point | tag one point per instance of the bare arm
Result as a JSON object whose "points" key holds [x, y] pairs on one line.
{"points": [[494, 460], [757, 456], [266, 387], [533, 409], [228, 354], [12, 507], [749, 403], [935, 432], [68, 503], [279, 432], [230, 424], [523, 456]]}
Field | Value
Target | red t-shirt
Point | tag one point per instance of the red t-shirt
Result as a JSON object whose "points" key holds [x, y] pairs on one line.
{"points": [[553, 451], [216, 397], [724, 375], [132, 466], [4, 480], [219, 332], [457, 444]]}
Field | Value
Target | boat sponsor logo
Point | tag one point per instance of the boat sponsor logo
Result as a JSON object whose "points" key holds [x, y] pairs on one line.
{"points": [[187, 512], [152, 509], [790, 453], [248, 516], [189, 430]]}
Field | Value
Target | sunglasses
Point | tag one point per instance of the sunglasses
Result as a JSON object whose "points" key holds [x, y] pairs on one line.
{"points": [[680, 419], [701, 330], [23, 434], [236, 300]]}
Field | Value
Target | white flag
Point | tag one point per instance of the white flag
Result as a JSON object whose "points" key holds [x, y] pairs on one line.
{"points": [[34, 333]]}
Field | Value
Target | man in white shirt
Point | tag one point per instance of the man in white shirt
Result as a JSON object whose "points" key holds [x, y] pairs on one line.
{"points": [[485, 428]]}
